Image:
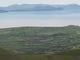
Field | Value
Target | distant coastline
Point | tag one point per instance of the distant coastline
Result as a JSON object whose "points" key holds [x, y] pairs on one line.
{"points": [[40, 7]]}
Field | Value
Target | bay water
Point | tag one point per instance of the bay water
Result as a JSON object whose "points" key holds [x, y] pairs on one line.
{"points": [[39, 19]]}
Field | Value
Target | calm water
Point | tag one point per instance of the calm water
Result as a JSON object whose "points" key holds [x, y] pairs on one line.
{"points": [[39, 18]]}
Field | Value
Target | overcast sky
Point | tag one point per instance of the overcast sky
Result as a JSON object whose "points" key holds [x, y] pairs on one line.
{"points": [[11, 2]]}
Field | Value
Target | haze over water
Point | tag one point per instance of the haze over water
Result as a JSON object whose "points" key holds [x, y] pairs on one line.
{"points": [[39, 18]]}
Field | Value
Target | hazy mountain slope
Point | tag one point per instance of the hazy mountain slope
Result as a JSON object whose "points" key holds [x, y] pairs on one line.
{"points": [[69, 6], [41, 7], [31, 7]]}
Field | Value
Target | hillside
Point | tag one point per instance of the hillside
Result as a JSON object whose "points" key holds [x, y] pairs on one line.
{"points": [[64, 55], [40, 40], [7, 55]]}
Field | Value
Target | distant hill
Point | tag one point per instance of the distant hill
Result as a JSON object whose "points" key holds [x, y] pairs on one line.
{"points": [[69, 6], [40, 40], [31, 7], [41, 7], [1, 11]]}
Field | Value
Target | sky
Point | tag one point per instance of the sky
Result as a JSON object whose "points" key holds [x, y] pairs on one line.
{"points": [[11, 2]]}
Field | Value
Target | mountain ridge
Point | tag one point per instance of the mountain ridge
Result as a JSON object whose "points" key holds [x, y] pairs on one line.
{"points": [[40, 7]]}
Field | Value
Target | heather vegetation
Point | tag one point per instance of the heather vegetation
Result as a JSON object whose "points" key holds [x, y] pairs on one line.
{"points": [[64, 55], [40, 40]]}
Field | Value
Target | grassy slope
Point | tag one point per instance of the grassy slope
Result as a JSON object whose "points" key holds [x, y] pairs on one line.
{"points": [[64, 55], [68, 55], [6, 55], [40, 40]]}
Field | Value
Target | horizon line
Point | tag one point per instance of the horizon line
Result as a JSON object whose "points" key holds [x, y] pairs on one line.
{"points": [[37, 26]]}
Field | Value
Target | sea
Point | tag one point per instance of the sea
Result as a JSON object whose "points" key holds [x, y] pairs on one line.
{"points": [[39, 18]]}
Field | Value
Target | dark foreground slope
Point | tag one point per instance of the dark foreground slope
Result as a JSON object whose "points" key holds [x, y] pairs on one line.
{"points": [[40, 40], [64, 55], [7, 55], [67, 55]]}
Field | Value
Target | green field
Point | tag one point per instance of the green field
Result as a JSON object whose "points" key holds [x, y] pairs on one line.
{"points": [[40, 40]]}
